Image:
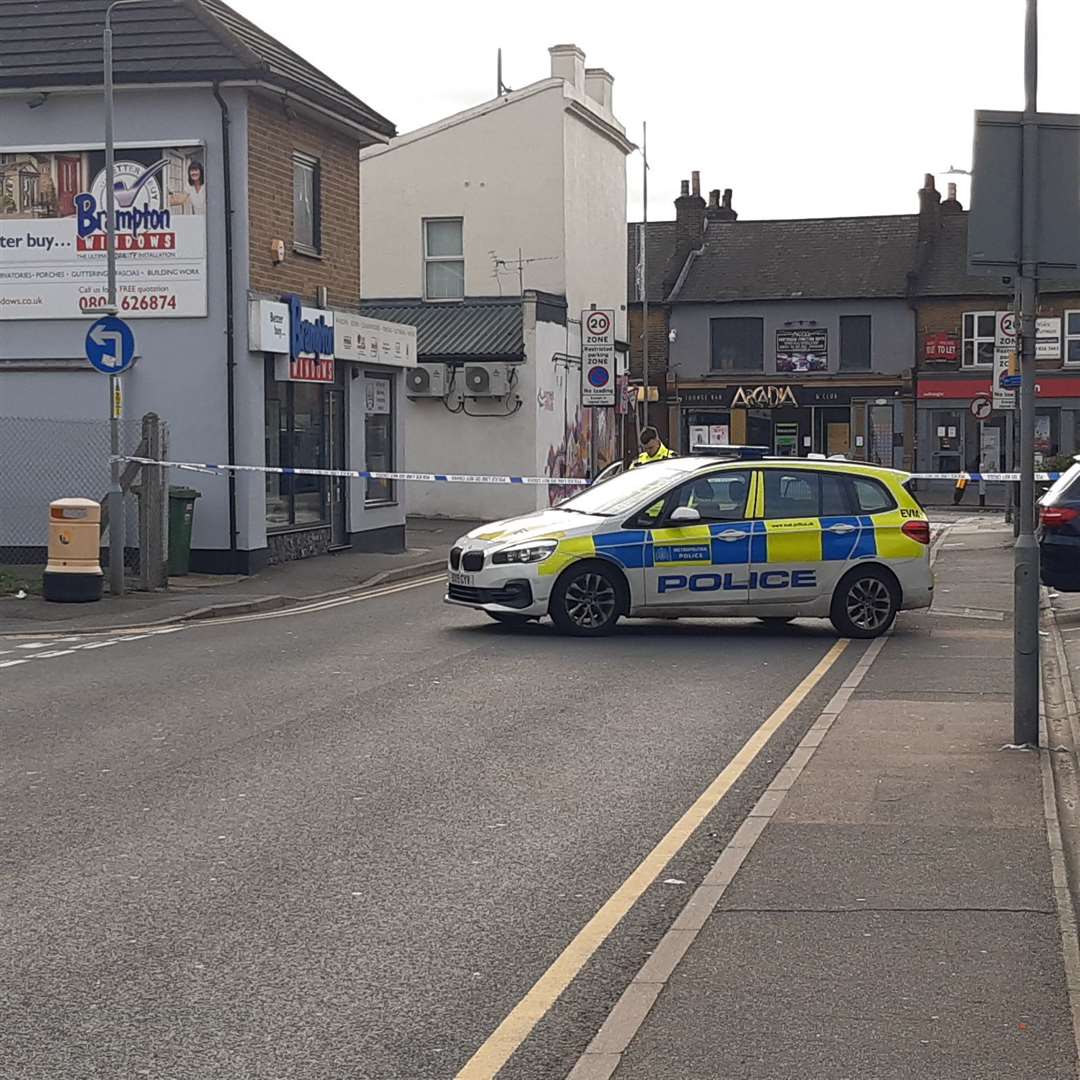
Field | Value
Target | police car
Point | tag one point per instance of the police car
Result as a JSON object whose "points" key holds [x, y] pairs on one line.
{"points": [[728, 532]]}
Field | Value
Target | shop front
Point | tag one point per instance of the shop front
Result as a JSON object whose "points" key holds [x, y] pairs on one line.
{"points": [[959, 430], [332, 398], [865, 422]]}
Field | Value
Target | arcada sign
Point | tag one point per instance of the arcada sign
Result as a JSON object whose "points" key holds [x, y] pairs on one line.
{"points": [[763, 397]]}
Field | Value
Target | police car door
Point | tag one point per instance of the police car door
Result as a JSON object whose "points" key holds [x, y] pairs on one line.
{"points": [[810, 534], [704, 561]]}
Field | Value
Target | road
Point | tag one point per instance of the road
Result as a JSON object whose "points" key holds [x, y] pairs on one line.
{"points": [[347, 841]]}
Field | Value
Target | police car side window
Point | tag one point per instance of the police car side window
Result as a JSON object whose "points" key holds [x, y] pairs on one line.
{"points": [[872, 496], [791, 494], [720, 497], [805, 494]]}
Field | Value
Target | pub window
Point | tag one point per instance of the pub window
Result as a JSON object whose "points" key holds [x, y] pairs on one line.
{"points": [[1072, 337], [307, 205], [444, 259], [737, 344], [854, 342], [979, 338]]}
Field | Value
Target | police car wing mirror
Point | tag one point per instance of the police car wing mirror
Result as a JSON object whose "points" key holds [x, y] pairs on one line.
{"points": [[685, 513]]}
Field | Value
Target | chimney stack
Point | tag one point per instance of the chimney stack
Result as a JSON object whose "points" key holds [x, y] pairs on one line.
{"points": [[952, 204], [598, 87], [720, 211], [690, 215], [568, 64], [929, 209]]}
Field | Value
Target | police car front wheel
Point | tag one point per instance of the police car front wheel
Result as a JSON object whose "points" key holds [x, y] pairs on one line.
{"points": [[865, 603], [587, 600]]}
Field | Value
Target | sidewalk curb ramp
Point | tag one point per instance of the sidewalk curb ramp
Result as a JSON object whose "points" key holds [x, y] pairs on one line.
{"points": [[271, 602]]}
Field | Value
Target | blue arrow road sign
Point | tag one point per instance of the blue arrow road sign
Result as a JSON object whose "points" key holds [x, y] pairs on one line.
{"points": [[110, 345], [1010, 382]]}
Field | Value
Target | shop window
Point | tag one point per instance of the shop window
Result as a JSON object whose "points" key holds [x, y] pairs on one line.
{"points": [[1047, 432], [444, 258], [295, 438], [307, 205], [1072, 337], [379, 435], [979, 338], [854, 342], [738, 344]]}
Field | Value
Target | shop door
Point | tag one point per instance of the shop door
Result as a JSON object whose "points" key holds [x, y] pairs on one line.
{"points": [[946, 440], [837, 439], [339, 529]]}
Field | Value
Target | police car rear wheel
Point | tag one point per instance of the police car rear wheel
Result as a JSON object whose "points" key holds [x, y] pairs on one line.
{"points": [[586, 601], [865, 604]]}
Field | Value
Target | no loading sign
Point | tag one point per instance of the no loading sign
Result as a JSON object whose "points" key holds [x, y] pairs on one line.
{"points": [[598, 358]]}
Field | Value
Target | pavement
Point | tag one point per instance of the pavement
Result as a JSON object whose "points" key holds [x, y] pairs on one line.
{"points": [[352, 838], [200, 596], [894, 914]]}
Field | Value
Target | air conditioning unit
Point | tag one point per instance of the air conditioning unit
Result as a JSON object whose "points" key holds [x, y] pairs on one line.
{"points": [[486, 380], [426, 380]]}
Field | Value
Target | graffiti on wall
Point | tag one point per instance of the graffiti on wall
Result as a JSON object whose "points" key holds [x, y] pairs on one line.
{"points": [[572, 457]]}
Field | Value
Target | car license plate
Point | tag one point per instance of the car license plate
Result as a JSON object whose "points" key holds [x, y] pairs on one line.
{"points": [[460, 579]]}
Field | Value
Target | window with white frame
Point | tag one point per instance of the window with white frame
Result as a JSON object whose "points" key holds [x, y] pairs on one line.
{"points": [[444, 259], [1072, 337], [979, 338]]}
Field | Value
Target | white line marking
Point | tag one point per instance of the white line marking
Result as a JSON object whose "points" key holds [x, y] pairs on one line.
{"points": [[13, 663], [99, 644], [50, 655], [35, 645]]}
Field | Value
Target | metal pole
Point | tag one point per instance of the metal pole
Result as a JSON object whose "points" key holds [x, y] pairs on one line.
{"points": [[1026, 566], [644, 270], [116, 495]]}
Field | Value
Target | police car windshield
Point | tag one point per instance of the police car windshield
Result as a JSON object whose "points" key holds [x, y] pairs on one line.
{"points": [[624, 493]]}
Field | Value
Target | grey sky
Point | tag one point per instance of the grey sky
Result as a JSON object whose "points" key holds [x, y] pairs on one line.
{"points": [[804, 108]]}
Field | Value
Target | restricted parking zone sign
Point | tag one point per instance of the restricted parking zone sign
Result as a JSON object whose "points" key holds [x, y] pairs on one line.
{"points": [[598, 384]]}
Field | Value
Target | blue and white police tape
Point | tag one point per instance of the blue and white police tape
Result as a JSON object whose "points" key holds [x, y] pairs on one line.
{"points": [[466, 478], [364, 474]]}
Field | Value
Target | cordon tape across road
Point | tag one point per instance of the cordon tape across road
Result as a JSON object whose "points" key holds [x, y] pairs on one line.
{"points": [[466, 478]]}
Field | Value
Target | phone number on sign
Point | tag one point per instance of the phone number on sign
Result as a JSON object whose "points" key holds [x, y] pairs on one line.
{"points": [[153, 302]]}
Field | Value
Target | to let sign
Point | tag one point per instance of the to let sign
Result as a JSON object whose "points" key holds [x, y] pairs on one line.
{"points": [[941, 348]]}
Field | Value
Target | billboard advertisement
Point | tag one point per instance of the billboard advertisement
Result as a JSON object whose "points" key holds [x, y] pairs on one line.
{"points": [[53, 238], [802, 350]]}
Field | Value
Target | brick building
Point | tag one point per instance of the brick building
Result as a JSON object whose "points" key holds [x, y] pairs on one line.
{"points": [[246, 157], [793, 334], [863, 335], [957, 315]]}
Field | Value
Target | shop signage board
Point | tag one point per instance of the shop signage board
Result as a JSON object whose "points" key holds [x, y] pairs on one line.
{"points": [[802, 349], [364, 340], [311, 345], [598, 358], [53, 231], [268, 326], [941, 348], [1048, 339], [1005, 343]]}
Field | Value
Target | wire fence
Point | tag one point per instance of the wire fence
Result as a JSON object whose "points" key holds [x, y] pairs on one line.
{"points": [[47, 459]]}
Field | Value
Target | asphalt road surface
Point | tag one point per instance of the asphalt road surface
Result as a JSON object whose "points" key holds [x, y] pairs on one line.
{"points": [[346, 842]]}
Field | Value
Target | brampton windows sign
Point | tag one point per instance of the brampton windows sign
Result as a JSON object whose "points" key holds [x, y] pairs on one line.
{"points": [[53, 231]]}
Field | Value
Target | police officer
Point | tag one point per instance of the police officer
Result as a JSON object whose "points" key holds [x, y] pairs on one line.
{"points": [[652, 449]]}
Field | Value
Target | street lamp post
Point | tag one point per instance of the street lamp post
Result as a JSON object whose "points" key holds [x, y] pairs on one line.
{"points": [[116, 495]]}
